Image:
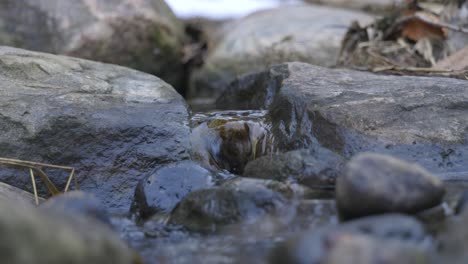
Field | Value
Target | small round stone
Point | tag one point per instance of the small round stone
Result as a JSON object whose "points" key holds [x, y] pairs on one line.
{"points": [[376, 184]]}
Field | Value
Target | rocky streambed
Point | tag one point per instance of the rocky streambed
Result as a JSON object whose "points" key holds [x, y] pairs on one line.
{"points": [[289, 162]]}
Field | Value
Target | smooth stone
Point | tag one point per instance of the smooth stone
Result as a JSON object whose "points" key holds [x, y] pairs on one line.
{"points": [[376, 184], [76, 203], [291, 33], [418, 119], [145, 36], [315, 168], [163, 189], [30, 235], [112, 124]]}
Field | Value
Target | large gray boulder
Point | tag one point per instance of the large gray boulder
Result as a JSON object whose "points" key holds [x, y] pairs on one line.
{"points": [[295, 33], [30, 235], [144, 35], [111, 123], [418, 119]]}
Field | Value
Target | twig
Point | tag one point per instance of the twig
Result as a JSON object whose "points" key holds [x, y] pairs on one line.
{"points": [[463, 74], [34, 167]]}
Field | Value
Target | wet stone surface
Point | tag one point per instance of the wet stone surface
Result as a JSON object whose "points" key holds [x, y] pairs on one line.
{"points": [[316, 167], [163, 189]]}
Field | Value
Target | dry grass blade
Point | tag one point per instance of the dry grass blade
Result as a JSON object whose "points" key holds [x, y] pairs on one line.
{"points": [[35, 168]]}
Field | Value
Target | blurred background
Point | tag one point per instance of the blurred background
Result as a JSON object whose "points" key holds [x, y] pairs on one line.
{"points": [[222, 9]]}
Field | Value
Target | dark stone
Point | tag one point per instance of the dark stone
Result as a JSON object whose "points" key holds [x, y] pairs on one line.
{"points": [[77, 203], [315, 168], [112, 124], [163, 189], [237, 201], [377, 184]]}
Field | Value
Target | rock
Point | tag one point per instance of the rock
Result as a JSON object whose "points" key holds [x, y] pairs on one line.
{"points": [[145, 35], [16, 195], [294, 33], [376, 184], [316, 167], [112, 124], [75, 203], [358, 241], [163, 189], [237, 201], [418, 119], [228, 140], [33, 236]]}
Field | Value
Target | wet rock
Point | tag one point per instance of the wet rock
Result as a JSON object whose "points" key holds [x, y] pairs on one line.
{"points": [[376, 184], [358, 241], [296, 33], [237, 201], [228, 140], [145, 35], [316, 167], [418, 119], [77, 203], [112, 124], [16, 195], [162, 190], [33, 236]]}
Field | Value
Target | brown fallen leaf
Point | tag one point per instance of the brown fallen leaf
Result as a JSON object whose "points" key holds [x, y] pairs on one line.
{"points": [[416, 29]]}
